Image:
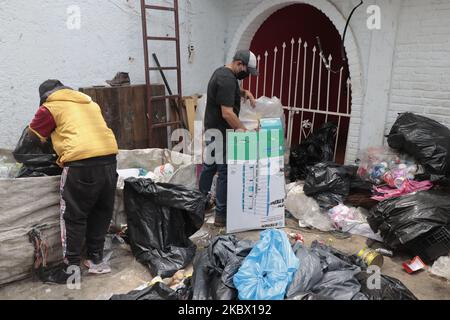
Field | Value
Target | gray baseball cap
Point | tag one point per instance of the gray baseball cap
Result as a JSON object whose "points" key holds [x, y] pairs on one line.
{"points": [[249, 59]]}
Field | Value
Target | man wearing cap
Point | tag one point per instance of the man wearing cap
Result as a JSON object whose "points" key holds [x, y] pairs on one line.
{"points": [[86, 149], [222, 113]]}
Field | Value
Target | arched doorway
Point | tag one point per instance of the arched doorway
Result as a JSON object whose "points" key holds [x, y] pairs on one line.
{"points": [[292, 69]]}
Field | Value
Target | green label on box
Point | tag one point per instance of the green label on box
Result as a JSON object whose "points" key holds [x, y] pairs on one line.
{"points": [[268, 142]]}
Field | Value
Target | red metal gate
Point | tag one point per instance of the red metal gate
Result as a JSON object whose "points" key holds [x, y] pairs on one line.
{"points": [[313, 86]]}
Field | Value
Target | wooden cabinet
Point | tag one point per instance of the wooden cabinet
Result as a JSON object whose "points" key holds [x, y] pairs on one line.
{"points": [[124, 110]]}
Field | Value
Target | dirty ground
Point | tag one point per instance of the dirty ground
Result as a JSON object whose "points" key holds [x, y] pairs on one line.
{"points": [[128, 274]]}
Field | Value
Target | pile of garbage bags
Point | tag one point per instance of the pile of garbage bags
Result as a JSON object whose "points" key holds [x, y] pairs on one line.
{"points": [[161, 217], [427, 141], [272, 268]]}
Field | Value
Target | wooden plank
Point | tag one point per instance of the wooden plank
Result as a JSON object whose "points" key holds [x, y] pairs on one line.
{"points": [[190, 103]]}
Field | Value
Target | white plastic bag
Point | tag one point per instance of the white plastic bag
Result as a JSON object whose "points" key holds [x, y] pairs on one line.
{"points": [[265, 108], [306, 210], [441, 267]]}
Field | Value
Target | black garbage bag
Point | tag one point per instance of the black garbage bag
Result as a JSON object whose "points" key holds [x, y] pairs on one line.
{"points": [[426, 140], [215, 267], [158, 291], [390, 288], [318, 147], [324, 273], [38, 159], [409, 217], [328, 183], [161, 217]]}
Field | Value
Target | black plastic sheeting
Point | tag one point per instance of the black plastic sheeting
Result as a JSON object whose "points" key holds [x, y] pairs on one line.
{"points": [[426, 140], [328, 274], [158, 291], [406, 218], [329, 183], [215, 267], [161, 217], [38, 159], [318, 147]]}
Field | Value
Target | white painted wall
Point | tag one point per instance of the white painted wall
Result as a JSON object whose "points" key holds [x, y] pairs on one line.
{"points": [[421, 70], [35, 44]]}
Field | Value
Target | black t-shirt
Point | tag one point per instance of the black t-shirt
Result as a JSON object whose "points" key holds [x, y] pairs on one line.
{"points": [[223, 90]]}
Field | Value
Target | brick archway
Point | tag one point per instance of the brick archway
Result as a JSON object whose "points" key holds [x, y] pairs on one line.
{"points": [[257, 16]]}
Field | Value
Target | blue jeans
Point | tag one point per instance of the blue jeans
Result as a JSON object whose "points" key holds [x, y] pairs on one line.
{"points": [[206, 179]]}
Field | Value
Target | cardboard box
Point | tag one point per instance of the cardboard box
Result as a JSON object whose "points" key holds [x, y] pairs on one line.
{"points": [[256, 181]]}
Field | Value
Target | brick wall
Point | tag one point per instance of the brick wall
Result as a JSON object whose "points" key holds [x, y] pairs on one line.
{"points": [[421, 71]]}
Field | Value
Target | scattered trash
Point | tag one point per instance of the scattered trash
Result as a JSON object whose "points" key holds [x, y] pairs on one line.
{"points": [[268, 269], [297, 237], [385, 252], [351, 220], [426, 140], [396, 178], [318, 147], [441, 267], [371, 257], [384, 165], [342, 216], [414, 265], [164, 172], [160, 219]]}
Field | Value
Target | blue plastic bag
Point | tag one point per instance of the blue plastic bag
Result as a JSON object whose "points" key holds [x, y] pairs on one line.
{"points": [[269, 268]]}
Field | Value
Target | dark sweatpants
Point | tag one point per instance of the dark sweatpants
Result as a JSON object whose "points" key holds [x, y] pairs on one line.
{"points": [[87, 202]]}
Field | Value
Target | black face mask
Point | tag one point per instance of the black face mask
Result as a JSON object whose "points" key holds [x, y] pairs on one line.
{"points": [[242, 75]]}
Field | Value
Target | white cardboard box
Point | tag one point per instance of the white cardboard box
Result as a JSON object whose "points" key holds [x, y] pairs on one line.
{"points": [[256, 180]]}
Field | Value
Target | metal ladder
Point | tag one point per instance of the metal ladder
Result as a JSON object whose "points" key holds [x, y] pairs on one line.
{"points": [[170, 97]]}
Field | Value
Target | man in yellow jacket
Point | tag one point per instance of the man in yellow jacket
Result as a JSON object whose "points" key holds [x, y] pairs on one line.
{"points": [[86, 150]]}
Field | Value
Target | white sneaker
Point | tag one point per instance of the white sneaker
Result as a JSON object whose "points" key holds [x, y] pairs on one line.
{"points": [[100, 268]]}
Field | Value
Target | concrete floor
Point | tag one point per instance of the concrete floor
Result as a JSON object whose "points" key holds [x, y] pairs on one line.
{"points": [[128, 274]]}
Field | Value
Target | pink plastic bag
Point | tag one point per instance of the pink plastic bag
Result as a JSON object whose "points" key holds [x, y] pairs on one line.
{"points": [[408, 186]]}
